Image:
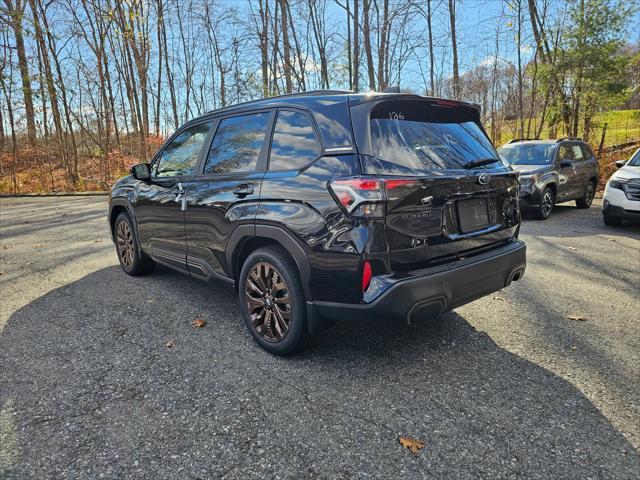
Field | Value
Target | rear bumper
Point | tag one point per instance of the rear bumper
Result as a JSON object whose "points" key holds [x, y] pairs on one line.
{"points": [[431, 291]]}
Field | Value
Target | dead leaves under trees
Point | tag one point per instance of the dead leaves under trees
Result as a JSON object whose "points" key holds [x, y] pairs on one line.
{"points": [[577, 318]]}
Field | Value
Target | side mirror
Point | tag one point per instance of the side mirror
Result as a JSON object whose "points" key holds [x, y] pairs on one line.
{"points": [[620, 163], [566, 163], [142, 171]]}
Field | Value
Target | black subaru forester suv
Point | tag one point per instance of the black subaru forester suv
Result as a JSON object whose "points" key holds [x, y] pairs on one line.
{"points": [[327, 205]]}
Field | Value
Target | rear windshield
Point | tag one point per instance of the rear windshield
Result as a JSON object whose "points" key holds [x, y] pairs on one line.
{"points": [[527, 153], [411, 138]]}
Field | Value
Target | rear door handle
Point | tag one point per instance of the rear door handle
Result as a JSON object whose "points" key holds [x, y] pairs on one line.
{"points": [[243, 189]]}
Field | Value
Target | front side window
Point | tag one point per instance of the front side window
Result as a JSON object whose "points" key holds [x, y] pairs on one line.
{"points": [[527, 153], [635, 160], [564, 153], [411, 138], [237, 143], [577, 153], [180, 157], [294, 143]]}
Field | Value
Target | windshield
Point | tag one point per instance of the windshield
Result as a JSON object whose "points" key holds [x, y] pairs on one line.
{"points": [[635, 160], [527, 153], [411, 138]]}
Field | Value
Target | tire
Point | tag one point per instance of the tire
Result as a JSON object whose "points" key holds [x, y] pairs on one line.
{"points": [[587, 199], [265, 309], [547, 200], [610, 221], [132, 261]]}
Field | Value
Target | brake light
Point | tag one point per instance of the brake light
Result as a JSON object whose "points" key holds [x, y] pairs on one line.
{"points": [[366, 275], [447, 103], [360, 197], [394, 183]]}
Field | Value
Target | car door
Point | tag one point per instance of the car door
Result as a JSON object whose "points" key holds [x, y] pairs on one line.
{"points": [[567, 182], [590, 163], [225, 193], [158, 206], [582, 169]]}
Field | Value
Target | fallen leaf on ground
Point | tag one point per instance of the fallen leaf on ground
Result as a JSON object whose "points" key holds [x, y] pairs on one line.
{"points": [[500, 299], [38, 245], [573, 248], [169, 344], [97, 240], [577, 318], [573, 347], [413, 445], [198, 323]]}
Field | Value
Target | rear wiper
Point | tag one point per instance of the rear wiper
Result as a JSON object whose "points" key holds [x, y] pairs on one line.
{"points": [[480, 162]]}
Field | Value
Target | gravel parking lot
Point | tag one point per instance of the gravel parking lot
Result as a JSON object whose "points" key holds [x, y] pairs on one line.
{"points": [[506, 387]]}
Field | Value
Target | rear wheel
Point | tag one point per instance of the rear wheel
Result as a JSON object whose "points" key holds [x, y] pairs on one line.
{"points": [[547, 201], [272, 301], [132, 261], [611, 221], [587, 199]]}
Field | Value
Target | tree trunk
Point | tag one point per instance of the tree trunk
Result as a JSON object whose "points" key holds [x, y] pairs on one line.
{"points": [[454, 44], [286, 47], [431, 56], [16, 13], [366, 33], [356, 46]]}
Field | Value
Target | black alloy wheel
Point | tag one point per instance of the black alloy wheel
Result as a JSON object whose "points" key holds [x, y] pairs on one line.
{"points": [[132, 261], [268, 302], [125, 243], [547, 201], [273, 302], [587, 199]]}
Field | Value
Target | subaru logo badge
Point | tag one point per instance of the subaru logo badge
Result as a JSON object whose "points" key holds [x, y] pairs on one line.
{"points": [[484, 178]]}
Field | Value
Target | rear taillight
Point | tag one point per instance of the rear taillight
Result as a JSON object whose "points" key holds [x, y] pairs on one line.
{"points": [[366, 275], [360, 197]]}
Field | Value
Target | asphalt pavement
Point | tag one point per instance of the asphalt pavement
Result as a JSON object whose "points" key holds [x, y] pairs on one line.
{"points": [[103, 376]]}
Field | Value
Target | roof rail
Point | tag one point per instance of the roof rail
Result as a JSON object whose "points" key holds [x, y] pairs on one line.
{"points": [[568, 138], [515, 140], [308, 93]]}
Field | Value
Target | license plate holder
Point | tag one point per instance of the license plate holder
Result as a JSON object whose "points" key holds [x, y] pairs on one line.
{"points": [[473, 214]]}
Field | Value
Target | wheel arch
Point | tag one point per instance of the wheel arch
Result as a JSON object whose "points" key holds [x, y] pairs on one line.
{"points": [[248, 238], [116, 207]]}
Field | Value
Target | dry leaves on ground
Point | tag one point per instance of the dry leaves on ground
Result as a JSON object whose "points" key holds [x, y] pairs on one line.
{"points": [[413, 445], [577, 318], [573, 248], [169, 344], [500, 299], [198, 323]]}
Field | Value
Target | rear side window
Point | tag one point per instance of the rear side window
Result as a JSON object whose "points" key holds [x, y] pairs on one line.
{"points": [[410, 138], [236, 144], [180, 157], [294, 143]]}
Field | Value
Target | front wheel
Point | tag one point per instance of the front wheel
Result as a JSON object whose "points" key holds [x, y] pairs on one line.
{"points": [[587, 199], [547, 201], [132, 261], [272, 301]]}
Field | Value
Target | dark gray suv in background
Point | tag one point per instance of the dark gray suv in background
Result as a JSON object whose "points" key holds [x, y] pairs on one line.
{"points": [[552, 171]]}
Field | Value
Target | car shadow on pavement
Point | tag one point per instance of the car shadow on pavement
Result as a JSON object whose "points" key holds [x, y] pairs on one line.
{"points": [[107, 376]]}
